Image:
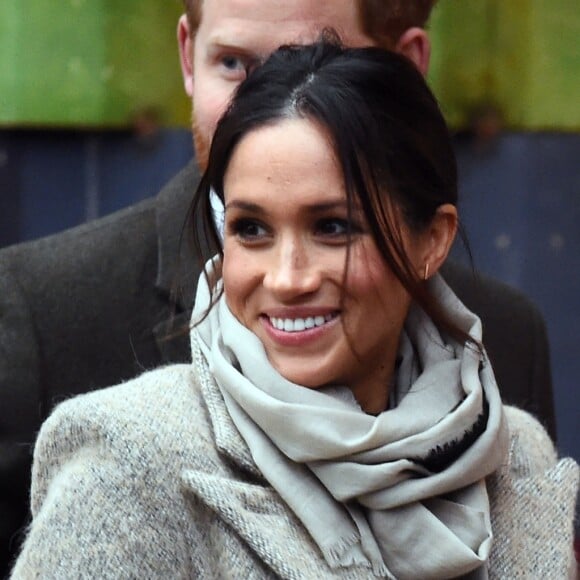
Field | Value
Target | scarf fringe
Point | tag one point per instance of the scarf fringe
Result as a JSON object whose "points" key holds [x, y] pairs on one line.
{"points": [[335, 554], [381, 570], [336, 557]]}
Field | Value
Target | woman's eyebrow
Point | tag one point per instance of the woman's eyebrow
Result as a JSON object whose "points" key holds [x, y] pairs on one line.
{"points": [[318, 207], [245, 206], [327, 206]]}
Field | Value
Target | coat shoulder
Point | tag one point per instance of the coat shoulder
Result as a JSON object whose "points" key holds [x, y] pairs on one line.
{"points": [[532, 497], [107, 478], [149, 420], [159, 407], [82, 247], [531, 449]]}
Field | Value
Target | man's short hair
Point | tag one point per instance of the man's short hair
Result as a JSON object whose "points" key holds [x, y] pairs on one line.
{"points": [[382, 20]]}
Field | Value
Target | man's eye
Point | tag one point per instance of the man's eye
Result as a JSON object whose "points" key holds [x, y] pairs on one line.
{"points": [[237, 67], [233, 63]]}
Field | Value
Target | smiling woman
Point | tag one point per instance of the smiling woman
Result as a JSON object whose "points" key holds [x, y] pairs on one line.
{"points": [[285, 250], [340, 417]]}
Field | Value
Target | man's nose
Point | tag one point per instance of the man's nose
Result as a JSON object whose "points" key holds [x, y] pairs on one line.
{"points": [[292, 271]]}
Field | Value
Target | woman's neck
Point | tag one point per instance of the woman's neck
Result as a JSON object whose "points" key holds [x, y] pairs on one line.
{"points": [[372, 394]]}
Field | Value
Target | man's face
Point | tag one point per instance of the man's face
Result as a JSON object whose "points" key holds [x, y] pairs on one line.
{"points": [[236, 35]]}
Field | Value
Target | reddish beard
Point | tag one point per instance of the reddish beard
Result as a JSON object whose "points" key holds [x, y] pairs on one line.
{"points": [[201, 146]]}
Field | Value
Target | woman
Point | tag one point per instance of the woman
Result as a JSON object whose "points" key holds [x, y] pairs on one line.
{"points": [[340, 417]]}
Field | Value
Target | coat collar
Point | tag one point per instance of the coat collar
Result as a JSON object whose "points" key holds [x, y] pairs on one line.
{"points": [[257, 514], [171, 213], [228, 440], [177, 268]]}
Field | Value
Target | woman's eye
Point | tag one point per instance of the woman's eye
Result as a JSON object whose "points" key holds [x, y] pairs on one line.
{"points": [[336, 227], [248, 230]]}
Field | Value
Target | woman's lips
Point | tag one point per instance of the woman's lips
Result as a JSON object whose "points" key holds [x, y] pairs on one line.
{"points": [[300, 324], [297, 330]]}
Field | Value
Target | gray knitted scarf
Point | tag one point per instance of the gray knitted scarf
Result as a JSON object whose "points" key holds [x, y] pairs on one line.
{"points": [[402, 493]]}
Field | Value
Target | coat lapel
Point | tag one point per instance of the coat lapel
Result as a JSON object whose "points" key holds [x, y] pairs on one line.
{"points": [[262, 520], [174, 250], [177, 258], [177, 268], [172, 338]]}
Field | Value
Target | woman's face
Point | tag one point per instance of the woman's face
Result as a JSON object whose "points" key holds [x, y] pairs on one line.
{"points": [[285, 248]]}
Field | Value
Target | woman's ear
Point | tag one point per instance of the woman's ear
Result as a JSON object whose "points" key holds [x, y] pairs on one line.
{"points": [[438, 239], [185, 43], [415, 45]]}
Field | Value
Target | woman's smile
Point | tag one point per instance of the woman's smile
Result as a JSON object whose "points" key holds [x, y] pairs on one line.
{"points": [[300, 324], [299, 331]]}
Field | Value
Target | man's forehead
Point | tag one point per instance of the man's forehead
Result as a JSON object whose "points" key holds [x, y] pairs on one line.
{"points": [[296, 9], [296, 21]]}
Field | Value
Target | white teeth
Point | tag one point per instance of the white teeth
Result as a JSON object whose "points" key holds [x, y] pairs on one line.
{"points": [[299, 324]]}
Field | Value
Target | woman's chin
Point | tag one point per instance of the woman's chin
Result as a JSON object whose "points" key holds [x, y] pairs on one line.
{"points": [[297, 374]]}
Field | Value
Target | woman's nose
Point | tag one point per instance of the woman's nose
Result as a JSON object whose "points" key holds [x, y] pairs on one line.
{"points": [[292, 271]]}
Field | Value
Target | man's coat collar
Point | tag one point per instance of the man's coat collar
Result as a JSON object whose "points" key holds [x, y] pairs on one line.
{"points": [[177, 265]]}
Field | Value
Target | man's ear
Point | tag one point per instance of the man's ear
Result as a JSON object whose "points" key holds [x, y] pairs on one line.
{"points": [[185, 43], [439, 239], [414, 44]]}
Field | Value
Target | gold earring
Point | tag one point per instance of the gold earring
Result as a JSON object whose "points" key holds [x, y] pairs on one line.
{"points": [[426, 272]]}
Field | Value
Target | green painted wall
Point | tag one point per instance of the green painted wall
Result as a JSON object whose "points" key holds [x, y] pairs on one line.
{"points": [[93, 63], [89, 62], [521, 55]]}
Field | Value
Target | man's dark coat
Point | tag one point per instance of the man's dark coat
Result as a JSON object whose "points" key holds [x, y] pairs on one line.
{"points": [[90, 307]]}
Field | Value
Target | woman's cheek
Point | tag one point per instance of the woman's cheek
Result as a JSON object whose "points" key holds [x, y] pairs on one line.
{"points": [[239, 279]]}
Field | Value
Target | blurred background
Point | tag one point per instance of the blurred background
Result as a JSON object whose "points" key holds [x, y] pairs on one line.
{"points": [[93, 117]]}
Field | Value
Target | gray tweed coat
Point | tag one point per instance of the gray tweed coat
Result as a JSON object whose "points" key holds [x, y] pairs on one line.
{"points": [[150, 479]]}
